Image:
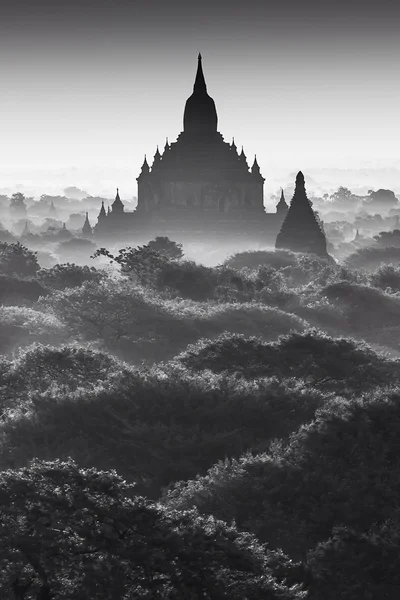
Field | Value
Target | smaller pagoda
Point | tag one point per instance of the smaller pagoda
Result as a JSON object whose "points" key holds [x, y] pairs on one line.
{"points": [[301, 231]]}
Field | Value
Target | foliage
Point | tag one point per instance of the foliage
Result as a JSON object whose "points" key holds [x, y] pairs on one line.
{"points": [[357, 565], [341, 469], [182, 278], [21, 326], [363, 307], [17, 204], [388, 239], [14, 290], [39, 368], [166, 247], [141, 262], [16, 259], [121, 317], [342, 194], [137, 325], [386, 278], [248, 319], [156, 426], [72, 533], [69, 275], [371, 258], [253, 259], [340, 364]]}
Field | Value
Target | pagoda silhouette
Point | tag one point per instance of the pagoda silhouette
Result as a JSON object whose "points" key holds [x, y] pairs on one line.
{"points": [[300, 231], [199, 186]]}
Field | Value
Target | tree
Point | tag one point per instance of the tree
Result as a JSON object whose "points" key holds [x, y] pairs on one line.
{"points": [[16, 259], [69, 275], [75, 193], [166, 247], [17, 205], [342, 195], [388, 239], [73, 533], [357, 565], [141, 262], [381, 199]]}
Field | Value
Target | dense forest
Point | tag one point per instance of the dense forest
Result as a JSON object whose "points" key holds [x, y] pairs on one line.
{"points": [[177, 431]]}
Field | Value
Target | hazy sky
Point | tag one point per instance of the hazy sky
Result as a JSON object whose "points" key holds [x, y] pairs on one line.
{"points": [[95, 84]]}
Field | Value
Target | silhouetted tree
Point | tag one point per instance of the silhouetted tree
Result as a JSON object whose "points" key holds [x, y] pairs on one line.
{"points": [[166, 247], [16, 259], [342, 195], [69, 275], [17, 205]]}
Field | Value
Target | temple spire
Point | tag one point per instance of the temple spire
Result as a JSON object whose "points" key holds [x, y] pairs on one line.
{"points": [[87, 229], [282, 207], [145, 165], [117, 206], [199, 83], [102, 212], [301, 230], [200, 116]]}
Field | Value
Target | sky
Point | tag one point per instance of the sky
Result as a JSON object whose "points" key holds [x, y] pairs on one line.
{"points": [[90, 86]]}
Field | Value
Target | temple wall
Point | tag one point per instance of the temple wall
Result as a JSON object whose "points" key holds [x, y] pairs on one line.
{"points": [[225, 196]]}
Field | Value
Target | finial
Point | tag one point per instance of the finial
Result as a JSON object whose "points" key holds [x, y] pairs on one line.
{"points": [[199, 57]]}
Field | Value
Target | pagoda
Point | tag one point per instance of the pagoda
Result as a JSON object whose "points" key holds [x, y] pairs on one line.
{"points": [[87, 229], [301, 231], [200, 177], [198, 187]]}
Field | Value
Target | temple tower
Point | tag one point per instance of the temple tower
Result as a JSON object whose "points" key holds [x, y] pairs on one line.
{"points": [[87, 229], [300, 231], [200, 179]]}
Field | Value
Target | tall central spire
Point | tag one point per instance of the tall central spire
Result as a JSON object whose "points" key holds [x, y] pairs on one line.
{"points": [[199, 83], [200, 114]]}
